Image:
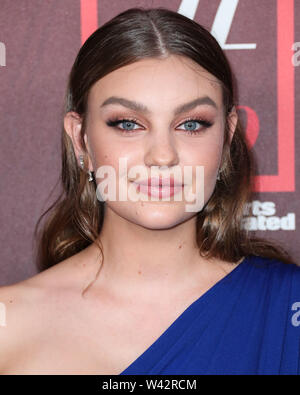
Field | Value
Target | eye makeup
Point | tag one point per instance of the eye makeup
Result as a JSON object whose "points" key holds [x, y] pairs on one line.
{"points": [[115, 121]]}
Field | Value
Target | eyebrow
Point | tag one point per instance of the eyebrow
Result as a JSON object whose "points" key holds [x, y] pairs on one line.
{"points": [[133, 105]]}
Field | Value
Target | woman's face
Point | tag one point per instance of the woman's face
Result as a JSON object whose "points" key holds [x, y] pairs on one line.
{"points": [[157, 133]]}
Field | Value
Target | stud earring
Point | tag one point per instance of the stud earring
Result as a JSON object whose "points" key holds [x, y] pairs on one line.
{"points": [[218, 176]]}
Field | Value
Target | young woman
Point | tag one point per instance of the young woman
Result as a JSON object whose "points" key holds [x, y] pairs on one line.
{"points": [[147, 286]]}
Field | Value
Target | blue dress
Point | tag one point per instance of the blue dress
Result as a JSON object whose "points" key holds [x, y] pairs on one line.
{"points": [[247, 323]]}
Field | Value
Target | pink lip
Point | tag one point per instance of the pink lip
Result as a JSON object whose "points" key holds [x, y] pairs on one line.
{"points": [[160, 182], [159, 188]]}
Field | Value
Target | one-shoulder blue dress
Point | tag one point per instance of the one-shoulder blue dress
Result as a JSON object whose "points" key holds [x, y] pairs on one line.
{"points": [[247, 323]]}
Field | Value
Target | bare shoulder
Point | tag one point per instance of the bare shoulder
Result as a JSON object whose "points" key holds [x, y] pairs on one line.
{"points": [[27, 307], [14, 306]]}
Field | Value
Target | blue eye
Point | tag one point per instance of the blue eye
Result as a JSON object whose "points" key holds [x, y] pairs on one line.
{"points": [[127, 122], [115, 122], [131, 122], [191, 121]]}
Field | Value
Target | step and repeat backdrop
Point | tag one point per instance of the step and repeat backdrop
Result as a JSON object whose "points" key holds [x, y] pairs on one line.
{"points": [[39, 40]]}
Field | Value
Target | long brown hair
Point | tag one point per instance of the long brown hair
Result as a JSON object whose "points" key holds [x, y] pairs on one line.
{"points": [[75, 219]]}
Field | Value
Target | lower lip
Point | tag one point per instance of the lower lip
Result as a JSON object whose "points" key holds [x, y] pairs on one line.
{"points": [[159, 192]]}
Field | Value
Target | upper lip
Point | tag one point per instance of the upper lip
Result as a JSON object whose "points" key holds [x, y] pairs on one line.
{"points": [[156, 181]]}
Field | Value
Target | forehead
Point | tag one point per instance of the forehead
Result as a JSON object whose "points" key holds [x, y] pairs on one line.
{"points": [[159, 83]]}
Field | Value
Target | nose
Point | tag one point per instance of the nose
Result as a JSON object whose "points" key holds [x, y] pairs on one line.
{"points": [[161, 151]]}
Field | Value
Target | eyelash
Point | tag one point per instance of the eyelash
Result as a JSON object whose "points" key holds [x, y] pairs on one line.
{"points": [[114, 122]]}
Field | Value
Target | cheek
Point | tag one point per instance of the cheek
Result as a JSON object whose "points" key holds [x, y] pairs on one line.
{"points": [[116, 156], [208, 155], [204, 153], [104, 150]]}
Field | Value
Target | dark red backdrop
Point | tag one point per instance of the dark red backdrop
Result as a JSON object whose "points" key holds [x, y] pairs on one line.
{"points": [[40, 41]]}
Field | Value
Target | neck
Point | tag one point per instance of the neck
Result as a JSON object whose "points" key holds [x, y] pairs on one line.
{"points": [[142, 259]]}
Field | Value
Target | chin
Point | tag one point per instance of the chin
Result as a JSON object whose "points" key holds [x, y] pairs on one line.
{"points": [[159, 224], [162, 216]]}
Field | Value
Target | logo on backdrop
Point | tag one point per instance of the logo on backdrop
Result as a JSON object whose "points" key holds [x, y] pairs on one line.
{"points": [[261, 216]]}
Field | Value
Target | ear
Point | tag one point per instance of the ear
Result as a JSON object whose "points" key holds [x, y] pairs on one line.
{"points": [[73, 125], [232, 122]]}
